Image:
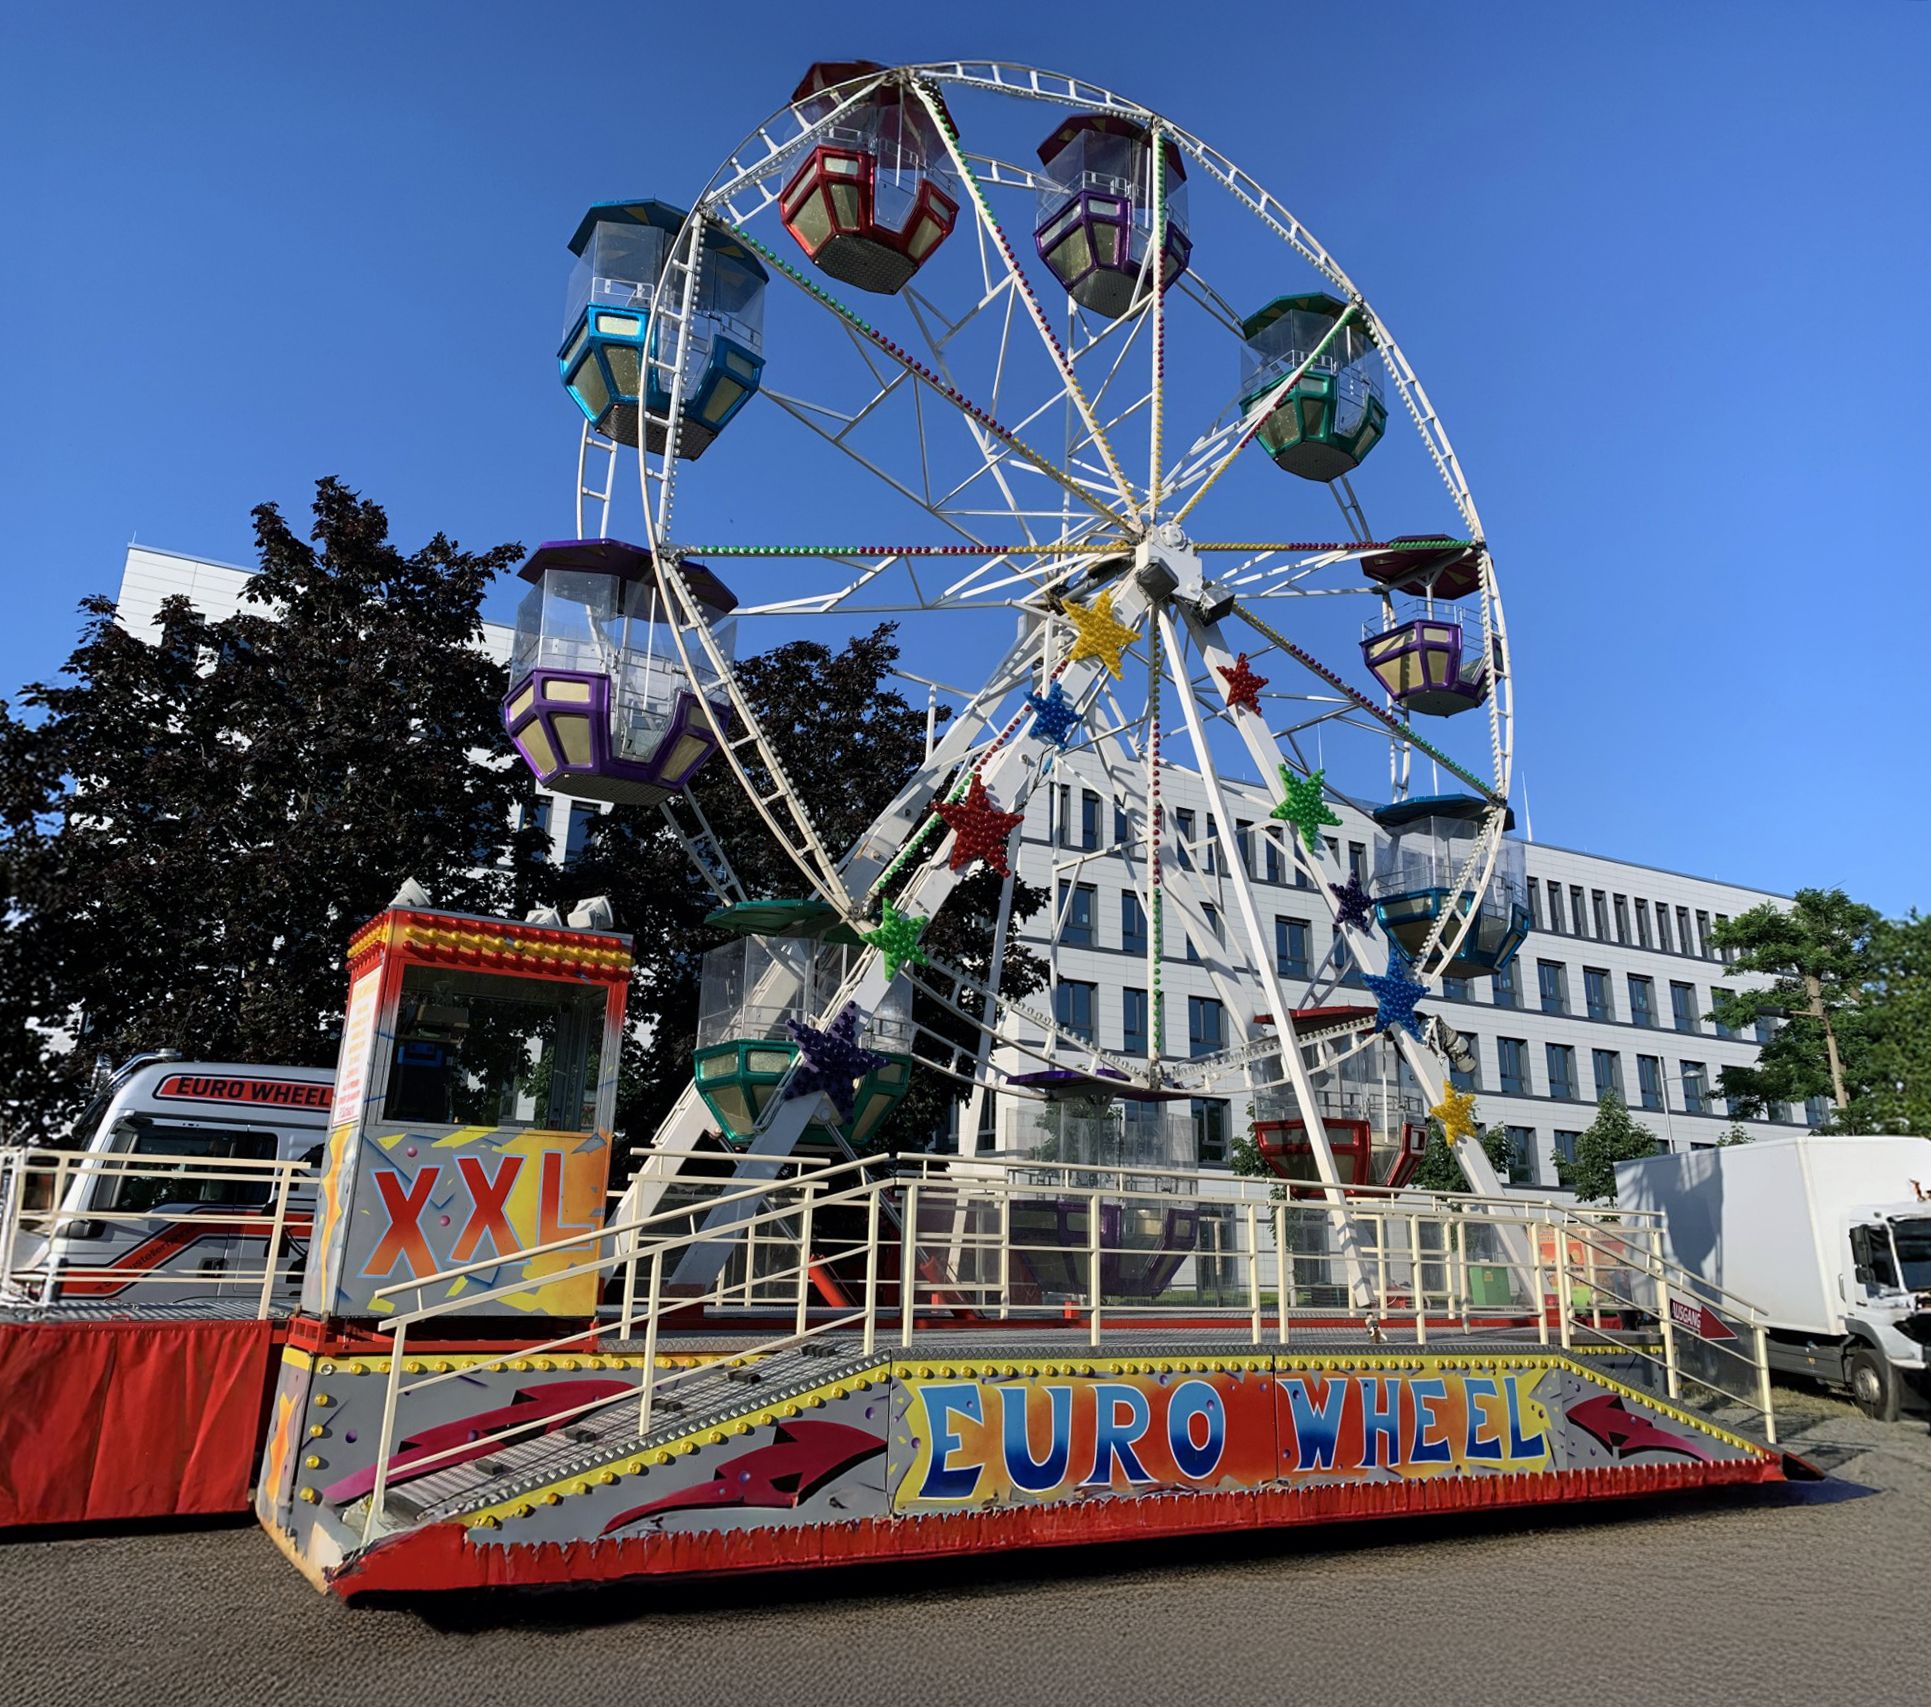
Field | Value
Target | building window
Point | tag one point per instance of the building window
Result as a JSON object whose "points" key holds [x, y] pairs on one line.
{"points": [[1089, 820], [1358, 862], [1597, 993], [1703, 936], [1122, 831], [1133, 1021], [1727, 954], [1578, 919], [1555, 909], [1512, 1057], [1244, 842], [1685, 944], [1566, 1146], [1607, 1065], [1535, 904], [1816, 1111], [1766, 1028], [1271, 859], [576, 833], [1642, 1000], [1696, 1090], [1683, 1007], [1552, 979], [1622, 918], [1562, 1070], [1183, 836], [1206, 1025], [1078, 903], [1599, 911], [1073, 1007], [1210, 1132], [1649, 1082], [1642, 925], [1210, 849], [1212, 914], [1718, 996], [1455, 989], [1662, 927], [1334, 849], [1506, 989], [1521, 1155], [1471, 1079], [1133, 923], [1291, 947]]}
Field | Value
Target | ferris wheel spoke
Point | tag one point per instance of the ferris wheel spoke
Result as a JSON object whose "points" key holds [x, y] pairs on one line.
{"points": [[1055, 351], [925, 375]]}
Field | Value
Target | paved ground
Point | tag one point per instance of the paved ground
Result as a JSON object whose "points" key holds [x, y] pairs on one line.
{"points": [[1794, 1594]]}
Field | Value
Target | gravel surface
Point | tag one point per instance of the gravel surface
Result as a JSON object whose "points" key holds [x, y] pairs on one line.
{"points": [[1800, 1593]]}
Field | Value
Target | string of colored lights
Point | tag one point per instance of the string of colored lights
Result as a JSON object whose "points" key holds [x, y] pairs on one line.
{"points": [[1075, 548]]}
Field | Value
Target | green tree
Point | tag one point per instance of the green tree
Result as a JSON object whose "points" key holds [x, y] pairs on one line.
{"points": [[193, 821], [1895, 1092], [1819, 956], [1612, 1137], [848, 743]]}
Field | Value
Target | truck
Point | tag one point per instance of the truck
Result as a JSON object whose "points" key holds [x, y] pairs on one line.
{"points": [[168, 1189], [1828, 1237]]}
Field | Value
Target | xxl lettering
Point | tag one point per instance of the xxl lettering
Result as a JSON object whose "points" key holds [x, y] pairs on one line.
{"points": [[1196, 1401], [1317, 1433], [1114, 1436], [550, 1225], [487, 1213], [1380, 1422], [1428, 1396], [1032, 1475], [1477, 1445], [943, 1479], [404, 1238], [1531, 1446]]}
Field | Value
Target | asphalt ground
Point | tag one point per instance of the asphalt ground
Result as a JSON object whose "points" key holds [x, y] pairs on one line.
{"points": [[1807, 1592]]}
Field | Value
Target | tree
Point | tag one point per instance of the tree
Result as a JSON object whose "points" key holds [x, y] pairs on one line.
{"points": [[194, 821], [848, 743], [1895, 1095], [1612, 1137], [1818, 954]]}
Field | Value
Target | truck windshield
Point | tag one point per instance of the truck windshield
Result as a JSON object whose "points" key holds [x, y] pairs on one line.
{"points": [[1913, 1242]]}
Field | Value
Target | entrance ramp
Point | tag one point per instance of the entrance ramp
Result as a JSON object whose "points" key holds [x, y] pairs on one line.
{"points": [[1028, 1387]]}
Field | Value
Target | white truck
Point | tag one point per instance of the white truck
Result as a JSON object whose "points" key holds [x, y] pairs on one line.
{"points": [[169, 1189], [1829, 1237]]}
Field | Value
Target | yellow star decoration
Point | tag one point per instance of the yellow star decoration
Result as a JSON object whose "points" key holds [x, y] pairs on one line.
{"points": [[1097, 633], [1456, 1112]]}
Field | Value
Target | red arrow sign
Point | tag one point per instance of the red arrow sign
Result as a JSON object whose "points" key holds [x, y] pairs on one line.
{"points": [[1698, 1319]]}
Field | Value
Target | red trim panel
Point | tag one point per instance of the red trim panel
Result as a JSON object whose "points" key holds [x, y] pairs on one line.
{"points": [[442, 1557]]}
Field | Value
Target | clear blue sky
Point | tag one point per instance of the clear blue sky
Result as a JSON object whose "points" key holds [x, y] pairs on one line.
{"points": [[1662, 265]]}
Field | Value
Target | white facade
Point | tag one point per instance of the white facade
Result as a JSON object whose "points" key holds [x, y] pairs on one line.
{"points": [[1640, 930], [1537, 1060]]}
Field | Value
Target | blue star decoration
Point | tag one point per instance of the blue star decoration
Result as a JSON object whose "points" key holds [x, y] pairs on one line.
{"points": [[831, 1060], [1055, 717], [1395, 997], [1354, 903]]}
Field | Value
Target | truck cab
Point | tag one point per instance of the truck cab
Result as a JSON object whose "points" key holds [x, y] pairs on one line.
{"points": [[169, 1189], [1885, 1285]]}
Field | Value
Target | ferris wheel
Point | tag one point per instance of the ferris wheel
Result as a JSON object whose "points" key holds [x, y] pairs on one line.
{"points": [[1028, 369]]}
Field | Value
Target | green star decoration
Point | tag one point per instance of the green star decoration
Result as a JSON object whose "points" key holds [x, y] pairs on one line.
{"points": [[897, 939], [1304, 806]]}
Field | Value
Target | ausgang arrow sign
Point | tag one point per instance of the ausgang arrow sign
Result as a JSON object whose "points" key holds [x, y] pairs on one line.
{"points": [[1698, 1319]]}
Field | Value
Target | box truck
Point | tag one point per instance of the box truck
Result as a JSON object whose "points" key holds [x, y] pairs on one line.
{"points": [[1829, 1237]]}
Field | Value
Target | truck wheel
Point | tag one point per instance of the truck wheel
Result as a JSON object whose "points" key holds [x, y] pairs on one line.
{"points": [[1873, 1383]]}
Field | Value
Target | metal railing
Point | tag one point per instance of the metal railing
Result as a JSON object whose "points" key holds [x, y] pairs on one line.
{"points": [[128, 1229], [892, 1256]]}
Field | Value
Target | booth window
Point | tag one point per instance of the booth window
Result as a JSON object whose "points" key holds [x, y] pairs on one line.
{"points": [[486, 1049]]}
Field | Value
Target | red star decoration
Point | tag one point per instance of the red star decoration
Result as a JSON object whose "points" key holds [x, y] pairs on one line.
{"points": [[979, 829], [1243, 686]]}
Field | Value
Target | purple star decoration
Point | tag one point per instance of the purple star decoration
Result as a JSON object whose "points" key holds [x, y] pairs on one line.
{"points": [[1354, 903], [1395, 998], [1055, 717], [831, 1060]]}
